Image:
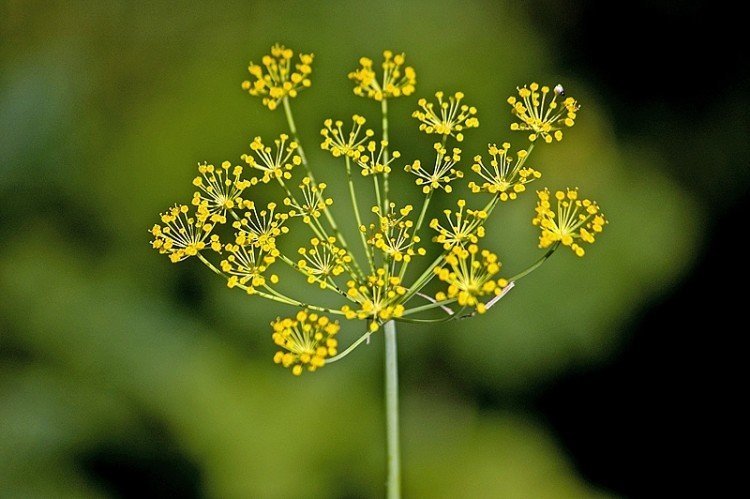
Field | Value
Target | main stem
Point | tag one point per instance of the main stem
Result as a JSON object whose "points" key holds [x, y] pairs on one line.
{"points": [[391, 411]]}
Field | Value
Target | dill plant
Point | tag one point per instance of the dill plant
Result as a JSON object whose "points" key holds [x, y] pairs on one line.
{"points": [[241, 241]]}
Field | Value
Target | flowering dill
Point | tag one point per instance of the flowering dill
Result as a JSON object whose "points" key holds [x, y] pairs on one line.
{"points": [[382, 288], [470, 274], [541, 114], [443, 170], [183, 235], [503, 176], [323, 261], [453, 119], [463, 226], [340, 143], [393, 234], [274, 163], [373, 164], [276, 79], [313, 202], [378, 298], [307, 340], [378, 288], [576, 220], [397, 79], [218, 190], [246, 266], [260, 228]]}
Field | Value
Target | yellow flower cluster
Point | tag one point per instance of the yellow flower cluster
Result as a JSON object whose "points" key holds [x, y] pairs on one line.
{"points": [[323, 261], [260, 228], [470, 273], [576, 220], [397, 79], [378, 298], [275, 163], [275, 79], [313, 202], [541, 114], [381, 288], [246, 266], [307, 341], [443, 171], [342, 144], [217, 191], [453, 118], [373, 164], [183, 235], [464, 226], [393, 233], [504, 176]]}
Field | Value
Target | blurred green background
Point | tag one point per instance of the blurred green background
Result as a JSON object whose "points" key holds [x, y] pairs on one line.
{"points": [[122, 374]]}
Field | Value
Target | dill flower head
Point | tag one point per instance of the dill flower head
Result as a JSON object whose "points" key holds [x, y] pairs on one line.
{"points": [[275, 78], [378, 298], [452, 119], [542, 114], [218, 190], [246, 266], [313, 202], [374, 164], [470, 276], [260, 228], [374, 290], [323, 261], [576, 220], [397, 79], [392, 235], [463, 226], [273, 163], [343, 144], [443, 171], [306, 341], [183, 235], [503, 176]]}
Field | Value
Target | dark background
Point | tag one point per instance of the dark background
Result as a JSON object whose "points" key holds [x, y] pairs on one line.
{"points": [[122, 375], [676, 71]]}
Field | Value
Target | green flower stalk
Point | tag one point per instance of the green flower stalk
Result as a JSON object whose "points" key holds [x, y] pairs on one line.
{"points": [[242, 241]]}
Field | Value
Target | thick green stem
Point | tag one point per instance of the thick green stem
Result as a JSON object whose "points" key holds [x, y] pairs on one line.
{"points": [[391, 412]]}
